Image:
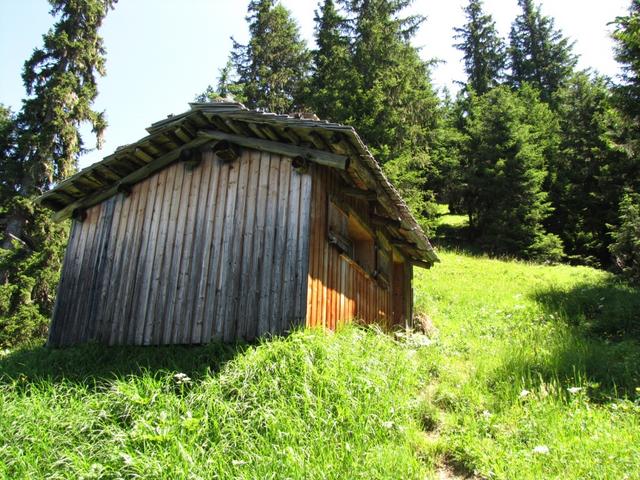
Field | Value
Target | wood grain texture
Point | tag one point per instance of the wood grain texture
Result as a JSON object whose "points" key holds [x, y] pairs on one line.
{"points": [[191, 254]]}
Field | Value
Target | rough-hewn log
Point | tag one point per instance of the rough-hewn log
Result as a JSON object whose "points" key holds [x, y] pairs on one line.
{"points": [[358, 193], [381, 221], [340, 162]]}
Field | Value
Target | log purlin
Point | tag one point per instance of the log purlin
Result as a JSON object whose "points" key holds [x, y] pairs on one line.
{"points": [[175, 261], [340, 290]]}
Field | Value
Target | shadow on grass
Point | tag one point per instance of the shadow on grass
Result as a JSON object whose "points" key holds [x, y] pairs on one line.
{"points": [[603, 348], [95, 364]]}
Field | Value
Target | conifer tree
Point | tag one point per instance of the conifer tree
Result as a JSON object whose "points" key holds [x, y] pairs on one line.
{"points": [[539, 54], [590, 170], [393, 105], [485, 56], [60, 80], [509, 136], [274, 64], [329, 89], [627, 37]]}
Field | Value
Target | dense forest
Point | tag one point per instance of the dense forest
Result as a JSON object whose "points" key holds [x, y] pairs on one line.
{"points": [[544, 158]]}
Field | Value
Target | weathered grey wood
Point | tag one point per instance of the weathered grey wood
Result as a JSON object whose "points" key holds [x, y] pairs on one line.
{"points": [[253, 289], [175, 277], [320, 157], [302, 260], [78, 299], [187, 269], [212, 325], [154, 314], [231, 312], [67, 276], [145, 258], [275, 320], [131, 179], [133, 252], [287, 295], [248, 267], [223, 325], [200, 293], [269, 247], [91, 324]]}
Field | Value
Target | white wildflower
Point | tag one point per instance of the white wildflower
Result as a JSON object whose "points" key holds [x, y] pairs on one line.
{"points": [[181, 378], [524, 393], [486, 414], [388, 425], [574, 390], [541, 450]]}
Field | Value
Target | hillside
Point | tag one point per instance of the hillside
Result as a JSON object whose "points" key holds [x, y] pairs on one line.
{"points": [[528, 371]]}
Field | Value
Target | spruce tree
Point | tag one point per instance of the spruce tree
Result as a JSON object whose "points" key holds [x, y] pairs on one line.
{"points": [[392, 102], [627, 37], [539, 54], [485, 56], [590, 170], [274, 65], [509, 136], [332, 77], [60, 80]]}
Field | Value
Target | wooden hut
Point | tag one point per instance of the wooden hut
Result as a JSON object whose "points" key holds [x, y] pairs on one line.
{"points": [[226, 223]]}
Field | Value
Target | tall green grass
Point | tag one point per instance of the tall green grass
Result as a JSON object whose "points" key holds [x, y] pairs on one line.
{"points": [[309, 406]]}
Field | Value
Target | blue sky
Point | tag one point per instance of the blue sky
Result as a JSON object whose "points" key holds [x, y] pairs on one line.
{"points": [[161, 53]]}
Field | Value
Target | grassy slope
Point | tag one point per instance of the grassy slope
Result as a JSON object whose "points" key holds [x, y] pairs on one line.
{"points": [[351, 405], [513, 338]]}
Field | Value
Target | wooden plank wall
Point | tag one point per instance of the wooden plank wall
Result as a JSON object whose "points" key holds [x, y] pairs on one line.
{"points": [[215, 252], [339, 290]]}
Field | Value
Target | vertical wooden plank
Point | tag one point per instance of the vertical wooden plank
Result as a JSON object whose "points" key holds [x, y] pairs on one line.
{"points": [[210, 187], [63, 295], [161, 261], [189, 245], [71, 329], [163, 322], [304, 241], [287, 292], [267, 276], [253, 296], [246, 318], [169, 333], [211, 319], [147, 257], [275, 318], [223, 327], [236, 252], [99, 270], [126, 321], [109, 289]]}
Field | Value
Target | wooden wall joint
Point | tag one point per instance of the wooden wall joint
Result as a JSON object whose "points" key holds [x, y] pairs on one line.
{"points": [[79, 215]]}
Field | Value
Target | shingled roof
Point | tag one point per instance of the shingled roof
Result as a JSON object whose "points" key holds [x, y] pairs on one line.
{"points": [[177, 136]]}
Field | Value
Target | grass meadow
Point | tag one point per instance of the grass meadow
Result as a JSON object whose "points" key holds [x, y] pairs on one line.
{"points": [[524, 372]]}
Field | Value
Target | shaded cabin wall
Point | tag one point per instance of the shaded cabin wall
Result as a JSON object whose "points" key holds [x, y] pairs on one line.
{"points": [[218, 251], [339, 289]]}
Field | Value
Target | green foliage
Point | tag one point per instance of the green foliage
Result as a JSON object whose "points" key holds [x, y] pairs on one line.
{"points": [[60, 78], [626, 237], [540, 55], [409, 174], [8, 142], [272, 67], [589, 171], [485, 56], [30, 271], [312, 405], [627, 37], [510, 137], [329, 89]]}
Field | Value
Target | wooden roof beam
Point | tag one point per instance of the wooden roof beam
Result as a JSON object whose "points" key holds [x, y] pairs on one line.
{"points": [[339, 162]]}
